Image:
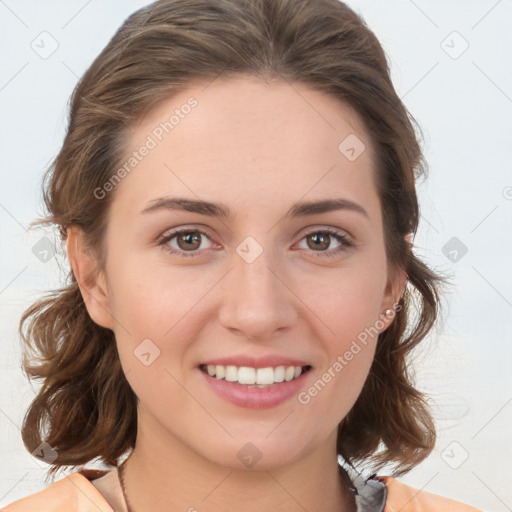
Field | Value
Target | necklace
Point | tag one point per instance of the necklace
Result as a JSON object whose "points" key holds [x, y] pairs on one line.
{"points": [[120, 474], [120, 471]]}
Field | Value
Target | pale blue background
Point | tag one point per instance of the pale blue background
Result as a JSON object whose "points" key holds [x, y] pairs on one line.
{"points": [[464, 106]]}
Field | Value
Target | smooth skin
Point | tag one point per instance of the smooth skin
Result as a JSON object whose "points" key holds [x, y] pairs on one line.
{"points": [[256, 147]]}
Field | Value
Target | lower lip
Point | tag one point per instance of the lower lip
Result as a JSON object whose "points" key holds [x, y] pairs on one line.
{"points": [[255, 398]]}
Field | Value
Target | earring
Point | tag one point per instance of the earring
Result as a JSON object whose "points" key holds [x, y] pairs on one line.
{"points": [[388, 312]]}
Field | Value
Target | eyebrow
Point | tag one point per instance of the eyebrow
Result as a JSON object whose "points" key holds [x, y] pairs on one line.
{"points": [[299, 209]]}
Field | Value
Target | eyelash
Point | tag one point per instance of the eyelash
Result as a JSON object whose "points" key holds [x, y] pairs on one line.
{"points": [[344, 241]]}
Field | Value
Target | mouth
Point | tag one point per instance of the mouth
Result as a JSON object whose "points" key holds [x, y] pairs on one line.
{"points": [[251, 377]]}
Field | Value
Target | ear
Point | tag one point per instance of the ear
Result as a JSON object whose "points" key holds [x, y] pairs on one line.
{"points": [[395, 287], [92, 283]]}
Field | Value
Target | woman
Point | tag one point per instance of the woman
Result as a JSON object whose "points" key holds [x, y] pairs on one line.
{"points": [[237, 194]]}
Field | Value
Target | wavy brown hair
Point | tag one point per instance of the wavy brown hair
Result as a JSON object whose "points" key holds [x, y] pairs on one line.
{"points": [[85, 408]]}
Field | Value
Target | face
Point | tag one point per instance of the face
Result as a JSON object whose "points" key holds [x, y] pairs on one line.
{"points": [[258, 283]]}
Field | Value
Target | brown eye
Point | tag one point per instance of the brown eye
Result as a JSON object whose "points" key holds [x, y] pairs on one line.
{"points": [[189, 240], [319, 241], [184, 242]]}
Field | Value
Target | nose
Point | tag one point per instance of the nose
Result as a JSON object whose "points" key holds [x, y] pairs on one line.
{"points": [[256, 300]]}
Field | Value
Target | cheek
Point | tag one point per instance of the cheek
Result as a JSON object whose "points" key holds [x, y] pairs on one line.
{"points": [[350, 309], [348, 301], [149, 301], [334, 391], [157, 315]]}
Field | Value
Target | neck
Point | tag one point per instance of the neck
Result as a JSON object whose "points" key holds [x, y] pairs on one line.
{"points": [[171, 477]]}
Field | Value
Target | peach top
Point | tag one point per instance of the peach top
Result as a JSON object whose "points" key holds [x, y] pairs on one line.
{"points": [[76, 493]]}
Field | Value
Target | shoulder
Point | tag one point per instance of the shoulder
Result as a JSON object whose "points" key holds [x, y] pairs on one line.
{"points": [[404, 498], [74, 493]]}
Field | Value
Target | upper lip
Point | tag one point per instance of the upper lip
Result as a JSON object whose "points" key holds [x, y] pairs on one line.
{"points": [[256, 362]]}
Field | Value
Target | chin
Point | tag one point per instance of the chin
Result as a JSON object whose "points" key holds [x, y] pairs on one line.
{"points": [[258, 452]]}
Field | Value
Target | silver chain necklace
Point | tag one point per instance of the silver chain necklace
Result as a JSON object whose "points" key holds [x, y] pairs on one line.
{"points": [[120, 471]]}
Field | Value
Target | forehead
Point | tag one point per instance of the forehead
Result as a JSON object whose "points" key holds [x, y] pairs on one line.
{"points": [[246, 138]]}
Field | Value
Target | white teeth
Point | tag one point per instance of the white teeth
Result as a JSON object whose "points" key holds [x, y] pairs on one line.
{"points": [[289, 373], [220, 371], [279, 374], [231, 373], [265, 376], [247, 375], [254, 377]]}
